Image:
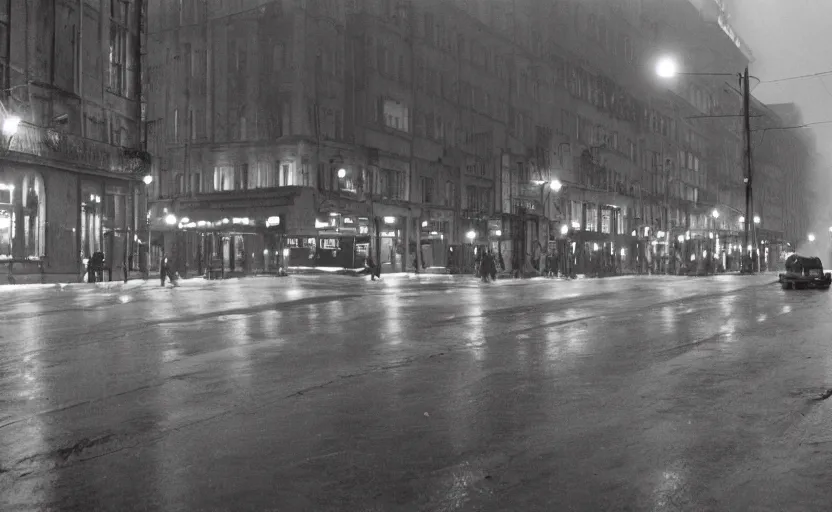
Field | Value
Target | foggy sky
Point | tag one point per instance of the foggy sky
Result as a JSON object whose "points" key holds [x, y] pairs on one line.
{"points": [[791, 38]]}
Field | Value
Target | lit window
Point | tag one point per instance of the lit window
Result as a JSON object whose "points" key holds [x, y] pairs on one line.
{"points": [[396, 115]]}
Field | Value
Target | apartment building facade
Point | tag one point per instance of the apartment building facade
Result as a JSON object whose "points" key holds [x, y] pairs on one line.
{"points": [[70, 183], [322, 132]]}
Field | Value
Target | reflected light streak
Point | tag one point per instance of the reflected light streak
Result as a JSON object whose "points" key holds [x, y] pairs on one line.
{"points": [[668, 319], [392, 319]]}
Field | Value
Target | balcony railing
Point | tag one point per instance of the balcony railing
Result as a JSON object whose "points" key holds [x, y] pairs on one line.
{"points": [[69, 148]]}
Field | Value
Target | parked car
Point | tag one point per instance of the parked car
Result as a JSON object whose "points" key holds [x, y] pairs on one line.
{"points": [[804, 272]]}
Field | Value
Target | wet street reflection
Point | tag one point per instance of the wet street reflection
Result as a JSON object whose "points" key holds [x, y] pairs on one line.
{"points": [[438, 393]]}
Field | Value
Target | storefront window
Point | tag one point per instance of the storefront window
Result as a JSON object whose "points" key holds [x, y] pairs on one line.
{"points": [[22, 217], [6, 223], [91, 219]]}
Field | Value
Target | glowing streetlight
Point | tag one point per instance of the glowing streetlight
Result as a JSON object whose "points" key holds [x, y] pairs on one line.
{"points": [[170, 220], [756, 219], [148, 179], [811, 237], [715, 214], [556, 185], [742, 219], [342, 173], [471, 235], [565, 229], [499, 232], [666, 67], [10, 125]]}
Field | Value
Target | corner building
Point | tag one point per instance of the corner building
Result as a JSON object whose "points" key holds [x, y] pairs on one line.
{"points": [[72, 154]]}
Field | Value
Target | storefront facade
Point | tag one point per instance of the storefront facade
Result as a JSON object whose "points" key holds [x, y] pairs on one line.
{"points": [[61, 202]]}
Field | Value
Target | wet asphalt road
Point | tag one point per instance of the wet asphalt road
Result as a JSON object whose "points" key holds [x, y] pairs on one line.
{"points": [[317, 394]]}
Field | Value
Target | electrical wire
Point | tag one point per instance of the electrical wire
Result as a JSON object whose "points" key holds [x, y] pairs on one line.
{"points": [[798, 77]]}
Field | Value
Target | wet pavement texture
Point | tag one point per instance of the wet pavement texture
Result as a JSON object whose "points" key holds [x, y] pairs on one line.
{"points": [[437, 394]]}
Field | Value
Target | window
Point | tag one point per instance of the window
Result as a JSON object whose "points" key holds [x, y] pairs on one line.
{"points": [[427, 190], [391, 184], [485, 200], [224, 178], [396, 115], [347, 183], [606, 221], [262, 175], [287, 177], [24, 204], [179, 183], [472, 198], [241, 177], [91, 213], [196, 182], [450, 194], [118, 79], [591, 218]]}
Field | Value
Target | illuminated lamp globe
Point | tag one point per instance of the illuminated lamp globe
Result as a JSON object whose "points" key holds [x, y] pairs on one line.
{"points": [[342, 173], [10, 125], [170, 220], [565, 229], [471, 235], [556, 185], [715, 214], [811, 237], [147, 179], [756, 219], [666, 68]]}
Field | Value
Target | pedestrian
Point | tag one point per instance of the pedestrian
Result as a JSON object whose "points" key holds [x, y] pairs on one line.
{"points": [[165, 272], [372, 269], [485, 266], [492, 266]]}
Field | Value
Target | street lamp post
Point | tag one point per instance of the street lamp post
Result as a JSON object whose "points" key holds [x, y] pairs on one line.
{"points": [[147, 180], [667, 68]]}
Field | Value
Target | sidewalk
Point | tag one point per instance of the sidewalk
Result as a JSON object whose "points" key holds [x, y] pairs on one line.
{"points": [[136, 279]]}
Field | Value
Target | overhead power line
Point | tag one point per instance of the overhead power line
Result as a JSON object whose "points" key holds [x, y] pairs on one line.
{"points": [[807, 125], [798, 77]]}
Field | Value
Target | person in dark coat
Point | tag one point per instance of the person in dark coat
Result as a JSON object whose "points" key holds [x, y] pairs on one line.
{"points": [[373, 269], [492, 266]]}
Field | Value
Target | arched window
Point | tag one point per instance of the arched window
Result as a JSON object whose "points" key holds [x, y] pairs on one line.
{"points": [[22, 217]]}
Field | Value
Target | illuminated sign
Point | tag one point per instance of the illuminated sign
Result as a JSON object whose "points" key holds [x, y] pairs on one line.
{"points": [[273, 221], [321, 225], [388, 234]]}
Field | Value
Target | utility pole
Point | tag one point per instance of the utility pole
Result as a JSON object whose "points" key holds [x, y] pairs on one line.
{"points": [[746, 97]]}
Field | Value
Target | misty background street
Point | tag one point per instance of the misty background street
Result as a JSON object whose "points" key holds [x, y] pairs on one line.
{"points": [[439, 393]]}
